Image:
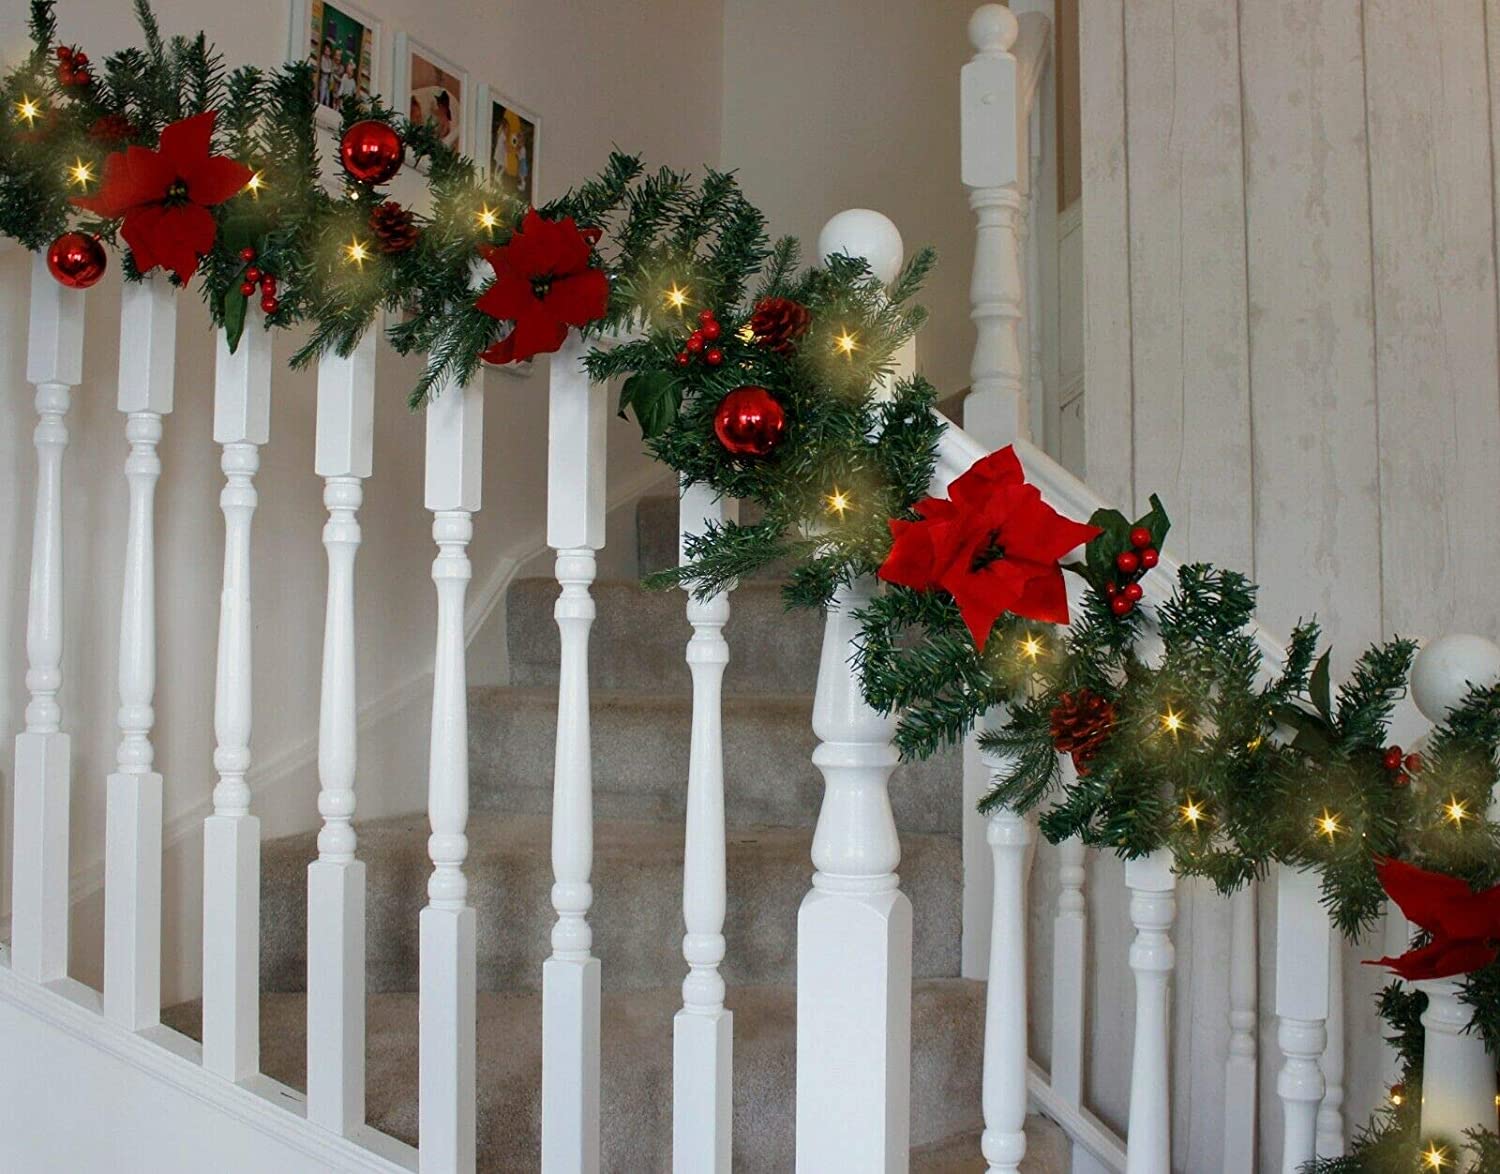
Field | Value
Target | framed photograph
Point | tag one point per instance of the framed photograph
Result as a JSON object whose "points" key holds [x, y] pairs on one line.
{"points": [[430, 88], [507, 138], [342, 42]]}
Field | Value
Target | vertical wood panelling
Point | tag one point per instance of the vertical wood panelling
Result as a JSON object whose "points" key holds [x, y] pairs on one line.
{"points": [[1433, 216]]}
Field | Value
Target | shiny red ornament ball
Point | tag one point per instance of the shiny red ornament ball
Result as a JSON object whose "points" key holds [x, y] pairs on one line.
{"points": [[371, 151], [76, 259], [1127, 561], [1121, 605], [749, 422], [1140, 537], [1150, 557], [713, 356]]}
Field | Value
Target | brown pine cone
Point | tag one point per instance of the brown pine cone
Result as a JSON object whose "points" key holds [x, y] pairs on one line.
{"points": [[394, 227], [778, 323], [1081, 722]]}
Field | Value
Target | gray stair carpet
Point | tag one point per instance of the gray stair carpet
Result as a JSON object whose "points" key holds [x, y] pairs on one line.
{"points": [[640, 712]]}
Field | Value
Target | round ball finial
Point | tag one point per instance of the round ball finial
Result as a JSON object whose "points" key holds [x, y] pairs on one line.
{"points": [[860, 232], [993, 28], [1445, 668]]}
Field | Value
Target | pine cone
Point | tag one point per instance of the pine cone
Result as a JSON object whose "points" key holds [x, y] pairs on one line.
{"points": [[778, 323], [1081, 722], [394, 227]]}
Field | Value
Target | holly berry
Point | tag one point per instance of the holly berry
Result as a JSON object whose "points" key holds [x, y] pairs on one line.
{"points": [[1121, 605], [706, 316], [1111, 590], [247, 288], [1140, 537], [1127, 562], [683, 358], [1412, 763], [268, 283], [713, 356], [712, 330], [1150, 557], [269, 304], [1392, 758], [695, 342], [253, 275], [247, 254], [1133, 592]]}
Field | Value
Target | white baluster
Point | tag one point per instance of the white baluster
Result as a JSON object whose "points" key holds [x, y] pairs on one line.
{"points": [[336, 880], [132, 844], [1005, 1030], [39, 891], [1396, 938], [1458, 1075], [703, 1031], [1153, 906], [854, 933], [1303, 935], [996, 408], [1330, 1141], [570, 977], [1240, 1093], [1069, 957], [446, 972], [231, 835]]}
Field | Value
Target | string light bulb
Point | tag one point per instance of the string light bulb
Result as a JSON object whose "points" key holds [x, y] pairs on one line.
{"points": [[255, 185], [81, 174], [746, 333], [1172, 721], [846, 344], [487, 218], [1435, 1157], [1456, 811], [1031, 647], [27, 111], [357, 252], [1192, 813], [1329, 825], [838, 502], [676, 298], [1397, 1095]]}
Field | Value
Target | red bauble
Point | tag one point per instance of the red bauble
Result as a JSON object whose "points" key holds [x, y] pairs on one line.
{"points": [[76, 259], [1127, 561], [749, 422], [1140, 537], [371, 151], [1150, 557]]}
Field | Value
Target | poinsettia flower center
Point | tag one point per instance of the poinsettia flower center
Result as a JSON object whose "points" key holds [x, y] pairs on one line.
{"points": [[541, 285], [992, 551], [177, 193]]}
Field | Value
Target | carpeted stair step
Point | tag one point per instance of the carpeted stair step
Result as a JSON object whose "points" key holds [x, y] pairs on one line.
{"points": [[636, 917], [640, 749], [639, 638], [636, 1094]]}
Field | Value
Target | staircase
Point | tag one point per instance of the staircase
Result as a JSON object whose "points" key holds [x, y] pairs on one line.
{"points": [[641, 712]]}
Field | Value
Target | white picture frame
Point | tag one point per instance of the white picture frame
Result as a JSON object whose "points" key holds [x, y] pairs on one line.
{"points": [[525, 155], [370, 54], [410, 57]]}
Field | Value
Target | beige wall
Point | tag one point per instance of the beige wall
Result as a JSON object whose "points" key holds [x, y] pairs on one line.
{"points": [[644, 76], [1289, 232]]}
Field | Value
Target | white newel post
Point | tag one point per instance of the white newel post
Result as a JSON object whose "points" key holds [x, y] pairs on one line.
{"points": [[343, 457], [996, 408], [133, 792], [1303, 937], [1240, 1087], [1005, 1032], [446, 969], [231, 835], [1330, 1140], [1153, 907], [39, 890], [703, 1030], [570, 977], [1458, 1075], [854, 934]]}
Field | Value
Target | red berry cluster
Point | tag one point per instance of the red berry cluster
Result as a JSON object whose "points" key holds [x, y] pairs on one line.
{"points": [[1132, 564], [1400, 767], [255, 276], [73, 66], [698, 343]]}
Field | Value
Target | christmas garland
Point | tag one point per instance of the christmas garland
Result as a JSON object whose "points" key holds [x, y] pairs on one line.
{"points": [[773, 385]]}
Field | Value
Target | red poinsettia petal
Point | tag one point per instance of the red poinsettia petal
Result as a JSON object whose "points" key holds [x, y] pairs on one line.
{"points": [[536, 334], [180, 236], [185, 143], [215, 179], [131, 178], [1442, 958], [579, 299], [509, 296], [983, 598], [910, 562], [532, 250], [1033, 530], [571, 247], [1423, 896], [975, 486], [140, 232], [498, 353], [1044, 598]]}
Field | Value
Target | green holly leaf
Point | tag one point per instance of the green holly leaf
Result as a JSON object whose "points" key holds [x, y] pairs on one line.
{"points": [[234, 316], [1099, 554], [1157, 522], [655, 397], [1319, 688]]}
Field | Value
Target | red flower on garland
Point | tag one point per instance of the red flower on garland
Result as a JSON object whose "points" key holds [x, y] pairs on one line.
{"points": [[543, 284], [165, 195], [993, 545], [1465, 925]]}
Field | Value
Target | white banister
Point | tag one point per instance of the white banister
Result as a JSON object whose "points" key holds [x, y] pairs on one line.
{"points": [[446, 970], [231, 835], [1069, 958], [996, 409], [1240, 1069], [133, 792], [39, 889], [1303, 936], [1003, 1142], [703, 1030], [1153, 907], [571, 977], [1458, 1075], [1330, 1141], [343, 457]]}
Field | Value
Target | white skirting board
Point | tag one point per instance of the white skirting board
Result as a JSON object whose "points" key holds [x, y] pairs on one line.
{"points": [[149, 1106]]}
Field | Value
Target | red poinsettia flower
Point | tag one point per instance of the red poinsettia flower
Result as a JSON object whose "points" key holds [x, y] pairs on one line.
{"points": [[165, 195], [993, 545], [1465, 925], [543, 284]]}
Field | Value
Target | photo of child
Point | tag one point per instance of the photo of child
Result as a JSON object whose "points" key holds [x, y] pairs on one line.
{"points": [[341, 48], [513, 150], [436, 96]]}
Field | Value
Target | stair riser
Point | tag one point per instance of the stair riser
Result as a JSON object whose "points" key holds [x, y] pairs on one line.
{"points": [[641, 762], [636, 918]]}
